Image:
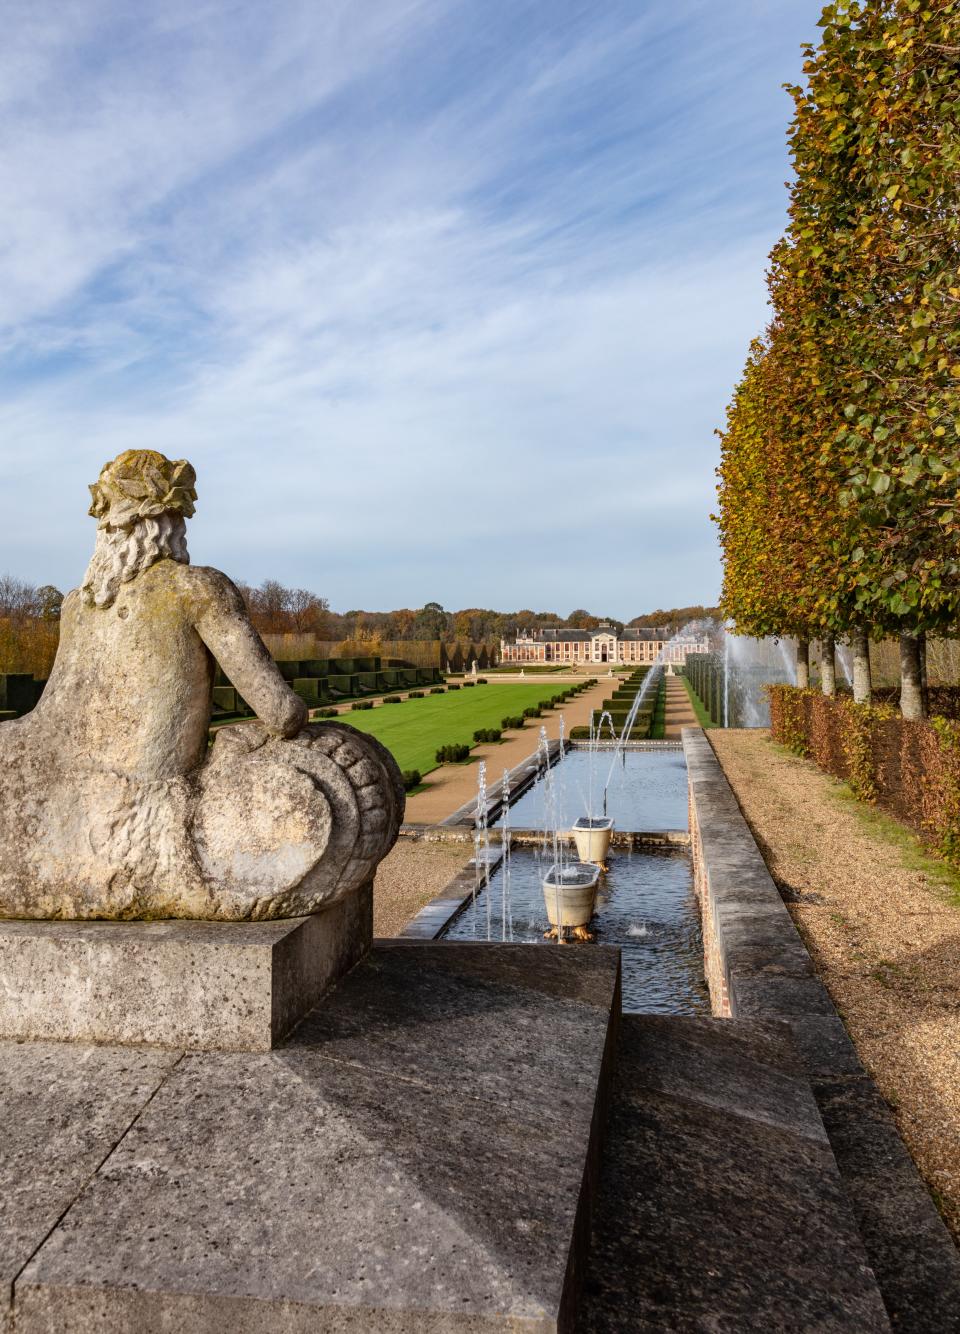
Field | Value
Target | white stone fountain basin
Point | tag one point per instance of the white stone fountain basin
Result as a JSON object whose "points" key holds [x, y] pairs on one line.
{"points": [[592, 837], [570, 894]]}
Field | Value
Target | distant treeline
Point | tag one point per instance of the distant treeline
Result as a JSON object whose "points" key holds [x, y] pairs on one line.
{"points": [[29, 619]]}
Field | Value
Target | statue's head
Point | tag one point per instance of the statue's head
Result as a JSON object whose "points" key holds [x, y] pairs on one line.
{"points": [[142, 484], [141, 502]]}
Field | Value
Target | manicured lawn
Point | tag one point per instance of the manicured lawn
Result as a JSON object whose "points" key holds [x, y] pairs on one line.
{"points": [[413, 730]]}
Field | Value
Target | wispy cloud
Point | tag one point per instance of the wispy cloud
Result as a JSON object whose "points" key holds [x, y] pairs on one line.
{"points": [[442, 300]]}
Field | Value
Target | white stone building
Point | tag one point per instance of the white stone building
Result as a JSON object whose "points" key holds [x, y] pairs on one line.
{"points": [[604, 645]]}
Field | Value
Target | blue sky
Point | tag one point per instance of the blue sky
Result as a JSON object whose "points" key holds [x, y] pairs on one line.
{"points": [[442, 298]]}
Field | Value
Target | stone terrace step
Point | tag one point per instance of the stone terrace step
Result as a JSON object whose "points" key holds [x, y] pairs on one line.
{"points": [[721, 1206]]}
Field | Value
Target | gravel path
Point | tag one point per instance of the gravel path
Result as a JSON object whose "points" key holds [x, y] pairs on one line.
{"points": [[679, 711], [414, 873], [884, 934]]}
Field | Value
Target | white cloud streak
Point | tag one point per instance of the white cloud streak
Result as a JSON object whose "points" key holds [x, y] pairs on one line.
{"points": [[439, 306]]}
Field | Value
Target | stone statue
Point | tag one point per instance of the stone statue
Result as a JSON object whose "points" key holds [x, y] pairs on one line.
{"points": [[112, 805]]}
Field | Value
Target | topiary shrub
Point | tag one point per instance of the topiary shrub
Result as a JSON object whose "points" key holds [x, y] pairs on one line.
{"points": [[512, 720], [359, 704], [453, 754], [437, 690], [392, 699], [325, 713], [487, 734], [451, 685], [480, 681], [468, 685], [415, 694], [531, 713], [411, 779]]}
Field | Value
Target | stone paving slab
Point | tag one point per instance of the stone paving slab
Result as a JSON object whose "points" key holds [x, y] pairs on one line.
{"points": [[63, 1108], [721, 1206], [420, 1155]]}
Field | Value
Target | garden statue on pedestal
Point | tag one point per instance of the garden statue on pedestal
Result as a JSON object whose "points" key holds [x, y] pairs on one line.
{"points": [[111, 804]]}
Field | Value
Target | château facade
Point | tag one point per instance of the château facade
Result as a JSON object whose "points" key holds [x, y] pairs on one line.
{"points": [[604, 645]]}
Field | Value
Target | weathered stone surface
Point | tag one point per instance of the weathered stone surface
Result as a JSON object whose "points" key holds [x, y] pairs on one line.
{"points": [[419, 1156], [62, 1111], [720, 1206], [221, 986], [109, 804]]}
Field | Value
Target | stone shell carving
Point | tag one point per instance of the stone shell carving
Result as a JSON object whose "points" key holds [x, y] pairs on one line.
{"points": [[267, 828]]}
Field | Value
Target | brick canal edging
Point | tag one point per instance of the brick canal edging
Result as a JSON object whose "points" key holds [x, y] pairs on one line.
{"points": [[758, 968]]}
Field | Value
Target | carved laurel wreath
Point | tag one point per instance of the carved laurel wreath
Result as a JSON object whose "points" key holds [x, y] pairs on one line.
{"points": [[142, 484]]}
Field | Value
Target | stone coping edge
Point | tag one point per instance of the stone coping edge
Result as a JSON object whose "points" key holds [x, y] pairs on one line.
{"points": [[758, 968], [434, 917]]}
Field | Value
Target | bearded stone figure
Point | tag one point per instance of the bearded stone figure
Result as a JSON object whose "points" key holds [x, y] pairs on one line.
{"points": [[111, 803]]}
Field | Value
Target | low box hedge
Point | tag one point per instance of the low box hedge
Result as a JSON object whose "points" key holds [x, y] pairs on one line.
{"points": [[455, 753]]}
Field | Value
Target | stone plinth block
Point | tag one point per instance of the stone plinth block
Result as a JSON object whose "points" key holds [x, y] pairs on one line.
{"points": [[210, 986], [420, 1156]]}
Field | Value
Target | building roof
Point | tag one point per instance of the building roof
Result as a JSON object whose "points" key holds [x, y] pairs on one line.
{"points": [[555, 635]]}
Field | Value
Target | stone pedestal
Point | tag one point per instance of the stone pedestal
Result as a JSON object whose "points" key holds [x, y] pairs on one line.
{"points": [[420, 1155], [209, 986]]}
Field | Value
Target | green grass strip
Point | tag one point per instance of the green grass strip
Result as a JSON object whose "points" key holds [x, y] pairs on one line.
{"points": [[413, 731], [659, 719]]}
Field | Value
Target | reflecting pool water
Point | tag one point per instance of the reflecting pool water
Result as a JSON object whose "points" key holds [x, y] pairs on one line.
{"points": [[646, 905], [647, 790]]}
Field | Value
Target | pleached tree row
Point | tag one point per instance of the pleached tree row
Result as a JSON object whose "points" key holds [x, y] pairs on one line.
{"points": [[839, 510]]}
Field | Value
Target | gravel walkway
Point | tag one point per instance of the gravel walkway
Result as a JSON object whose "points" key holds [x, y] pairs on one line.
{"points": [[414, 873], [678, 713], [885, 937]]}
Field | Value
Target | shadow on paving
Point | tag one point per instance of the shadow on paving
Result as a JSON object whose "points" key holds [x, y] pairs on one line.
{"points": [[720, 1205]]}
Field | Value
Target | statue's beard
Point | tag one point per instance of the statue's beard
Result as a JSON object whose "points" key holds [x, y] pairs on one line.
{"points": [[123, 553]]}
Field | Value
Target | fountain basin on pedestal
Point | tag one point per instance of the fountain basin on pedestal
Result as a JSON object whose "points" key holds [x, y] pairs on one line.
{"points": [[592, 837], [570, 895]]}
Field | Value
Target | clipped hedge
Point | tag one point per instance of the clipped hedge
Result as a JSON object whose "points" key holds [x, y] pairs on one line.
{"points": [[451, 685], [487, 734], [392, 699], [411, 778], [512, 720], [418, 694], [325, 713], [359, 704], [437, 690], [453, 754], [910, 769], [531, 713]]}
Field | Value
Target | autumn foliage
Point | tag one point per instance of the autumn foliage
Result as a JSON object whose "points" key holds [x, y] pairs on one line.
{"points": [[840, 456]]}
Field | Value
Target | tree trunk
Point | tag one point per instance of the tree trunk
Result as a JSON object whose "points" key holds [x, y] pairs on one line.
{"points": [[911, 691], [828, 665], [803, 664], [924, 683], [862, 682]]}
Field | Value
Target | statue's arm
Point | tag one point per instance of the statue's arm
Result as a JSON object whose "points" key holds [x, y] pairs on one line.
{"points": [[222, 623]]}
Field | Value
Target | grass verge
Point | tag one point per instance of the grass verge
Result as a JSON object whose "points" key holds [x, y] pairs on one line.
{"points": [[913, 854]]}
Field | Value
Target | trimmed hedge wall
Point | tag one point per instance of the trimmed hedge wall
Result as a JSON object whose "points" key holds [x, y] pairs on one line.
{"points": [[909, 769]]}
